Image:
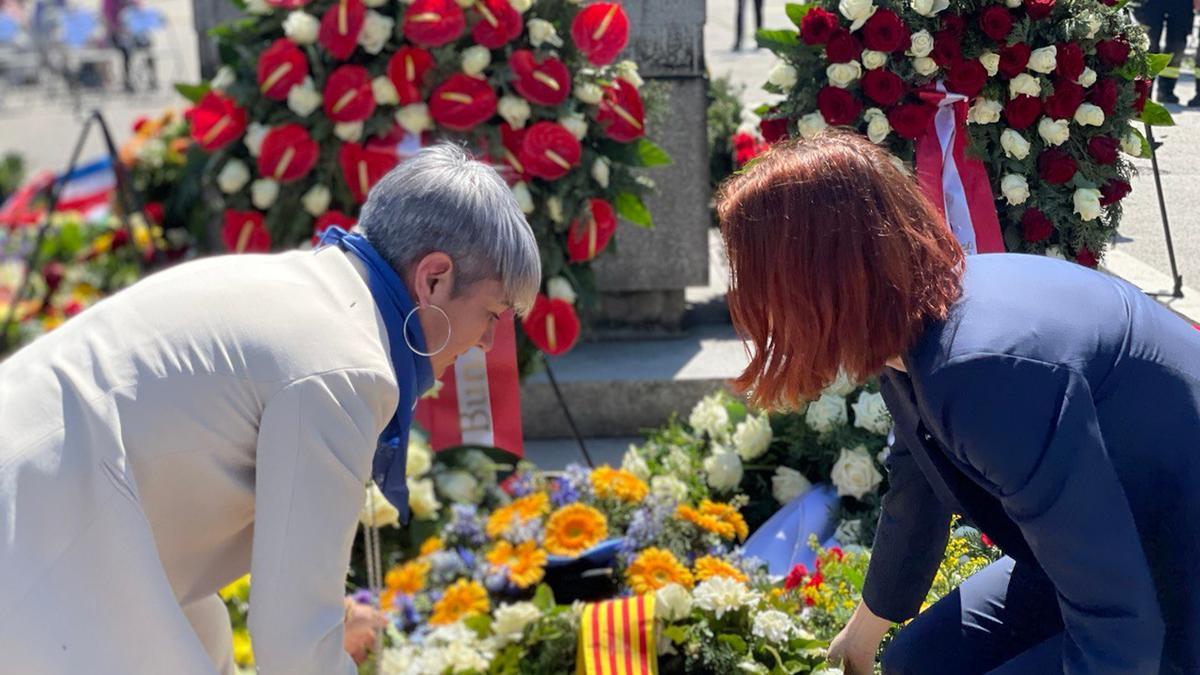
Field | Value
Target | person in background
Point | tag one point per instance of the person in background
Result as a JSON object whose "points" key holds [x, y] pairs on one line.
{"points": [[740, 19], [124, 41], [1168, 24]]}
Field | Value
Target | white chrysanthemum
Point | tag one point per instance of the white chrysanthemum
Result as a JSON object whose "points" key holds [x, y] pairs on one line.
{"points": [[871, 413], [510, 621], [233, 177], [826, 413], [263, 193], [476, 59], [304, 98], [773, 626], [854, 474], [710, 417], [672, 603], [753, 436], [316, 200], [722, 595], [724, 469], [515, 110], [414, 118], [787, 484], [542, 32], [384, 91]]}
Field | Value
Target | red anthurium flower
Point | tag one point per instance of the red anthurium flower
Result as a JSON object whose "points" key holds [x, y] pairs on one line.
{"points": [[462, 102], [621, 113], [589, 235], [244, 232], [433, 23], [340, 28], [407, 70], [549, 151], [552, 325], [216, 121], [288, 4], [347, 96], [331, 218], [513, 140], [498, 23], [287, 154], [545, 83], [601, 31], [363, 167]]}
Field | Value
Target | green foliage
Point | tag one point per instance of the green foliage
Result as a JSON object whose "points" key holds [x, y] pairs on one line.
{"points": [[723, 118]]}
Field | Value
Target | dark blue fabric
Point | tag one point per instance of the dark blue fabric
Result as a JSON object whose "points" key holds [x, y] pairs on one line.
{"points": [[414, 373], [1058, 408]]}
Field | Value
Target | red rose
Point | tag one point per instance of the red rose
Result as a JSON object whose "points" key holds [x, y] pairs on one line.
{"points": [[1062, 104], [1039, 9], [954, 24], [244, 232], [155, 212], [340, 28], [1103, 149], [1013, 59], [287, 154], [1035, 226], [512, 140], [1113, 191], [816, 579], [1114, 52], [795, 577], [347, 96], [946, 49], [216, 121], [1103, 95], [547, 82], [1086, 258], [407, 70], [498, 23], [843, 47], [883, 86], [746, 147], [601, 31], [967, 78], [817, 25], [1141, 87], [552, 325], [589, 235], [996, 22], [1022, 111], [774, 130], [433, 23], [885, 32], [1056, 166], [362, 167], [281, 67], [1070, 61], [621, 113], [910, 120], [838, 106], [549, 151], [462, 102], [331, 218]]}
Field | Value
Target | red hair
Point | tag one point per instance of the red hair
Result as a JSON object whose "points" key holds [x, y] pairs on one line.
{"points": [[837, 260]]}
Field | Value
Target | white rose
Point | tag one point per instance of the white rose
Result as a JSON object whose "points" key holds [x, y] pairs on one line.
{"points": [[414, 118], [1024, 84], [1087, 78], [929, 7], [1087, 203], [773, 625], [263, 193], [458, 486], [543, 32], [854, 474], [925, 66], [476, 59], [752, 437], [559, 288], [921, 45], [812, 124], [377, 511], [628, 70], [1089, 115], [224, 77], [316, 200], [826, 413], [524, 198], [376, 31], [1013, 4], [1044, 60], [589, 93], [1131, 143], [384, 91], [420, 458], [787, 484], [511, 620], [985, 111], [878, 128], [515, 110], [258, 7], [422, 499], [668, 487], [724, 469], [304, 98], [873, 60], [349, 132], [576, 124], [1014, 144], [857, 11], [1015, 188], [1054, 132], [782, 75], [673, 602], [843, 74], [521, 6], [990, 62], [301, 27], [871, 413], [233, 177], [1055, 252], [554, 209], [842, 385], [600, 172], [255, 133]]}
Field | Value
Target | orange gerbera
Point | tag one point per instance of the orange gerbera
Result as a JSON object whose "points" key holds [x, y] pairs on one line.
{"points": [[431, 545], [520, 512], [705, 522], [655, 568], [462, 599], [710, 566], [618, 483], [726, 513], [500, 521], [574, 529], [387, 599], [408, 578], [526, 563]]}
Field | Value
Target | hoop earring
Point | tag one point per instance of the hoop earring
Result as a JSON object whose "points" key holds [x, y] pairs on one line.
{"points": [[437, 351]]}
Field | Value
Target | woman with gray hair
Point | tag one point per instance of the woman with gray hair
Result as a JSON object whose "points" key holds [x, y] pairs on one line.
{"points": [[222, 417]]}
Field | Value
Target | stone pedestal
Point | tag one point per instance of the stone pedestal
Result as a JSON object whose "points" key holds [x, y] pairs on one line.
{"points": [[206, 14]]}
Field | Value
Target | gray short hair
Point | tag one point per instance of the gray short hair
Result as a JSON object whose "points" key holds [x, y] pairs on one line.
{"points": [[441, 199]]}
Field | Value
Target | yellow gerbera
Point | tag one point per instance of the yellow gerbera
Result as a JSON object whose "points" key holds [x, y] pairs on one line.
{"points": [[574, 529], [526, 563], [726, 513], [618, 483], [408, 578], [462, 599], [707, 523], [500, 521], [431, 545], [709, 567], [655, 568]]}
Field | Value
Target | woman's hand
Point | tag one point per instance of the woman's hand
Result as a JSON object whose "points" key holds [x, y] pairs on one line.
{"points": [[855, 647], [363, 623]]}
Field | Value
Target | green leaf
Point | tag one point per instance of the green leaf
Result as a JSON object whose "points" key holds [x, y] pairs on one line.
{"points": [[1146, 149], [543, 599], [480, 623], [735, 642], [796, 12], [676, 634], [632, 208], [777, 39], [651, 154], [192, 92], [1157, 63], [1156, 116]]}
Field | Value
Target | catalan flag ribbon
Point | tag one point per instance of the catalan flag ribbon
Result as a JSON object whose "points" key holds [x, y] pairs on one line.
{"points": [[617, 638]]}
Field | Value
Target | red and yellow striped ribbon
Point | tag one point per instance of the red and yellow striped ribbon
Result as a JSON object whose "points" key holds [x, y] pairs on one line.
{"points": [[616, 637]]}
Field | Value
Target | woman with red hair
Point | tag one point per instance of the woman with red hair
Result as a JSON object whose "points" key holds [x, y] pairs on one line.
{"points": [[1056, 407]]}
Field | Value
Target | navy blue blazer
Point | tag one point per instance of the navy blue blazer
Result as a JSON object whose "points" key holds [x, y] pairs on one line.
{"points": [[1058, 408]]}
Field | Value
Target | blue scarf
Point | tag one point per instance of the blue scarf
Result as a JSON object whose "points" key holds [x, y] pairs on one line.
{"points": [[414, 374]]}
